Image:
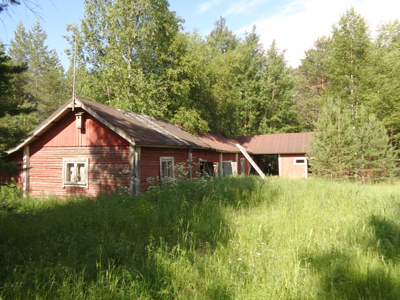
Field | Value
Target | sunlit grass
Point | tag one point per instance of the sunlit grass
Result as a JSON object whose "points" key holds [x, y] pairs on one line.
{"points": [[235, 238]]}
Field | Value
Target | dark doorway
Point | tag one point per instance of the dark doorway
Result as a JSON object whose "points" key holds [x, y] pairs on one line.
{"points": [[206, 168], [268, 163]]}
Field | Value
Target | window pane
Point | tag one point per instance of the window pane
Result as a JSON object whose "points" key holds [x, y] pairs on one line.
{"points": [[69, 174], [164, 169], [80, 173], [169, 169]]}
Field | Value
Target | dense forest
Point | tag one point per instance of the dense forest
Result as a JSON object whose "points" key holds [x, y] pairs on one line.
{"points": [[135, 55]]}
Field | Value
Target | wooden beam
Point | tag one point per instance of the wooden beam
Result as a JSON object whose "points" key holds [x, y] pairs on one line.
{"points": [[251, 161], [279, 164], [25, 184], [190, 162], [306, 166], [134, 169], [221, 170], [237, 164]]}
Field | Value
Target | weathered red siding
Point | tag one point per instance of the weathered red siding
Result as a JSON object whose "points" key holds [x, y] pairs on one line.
{"points": [[105, 164], [65, 133], [229, 156], [289, 170], [108, 155], [150, 162], [204, 154]]}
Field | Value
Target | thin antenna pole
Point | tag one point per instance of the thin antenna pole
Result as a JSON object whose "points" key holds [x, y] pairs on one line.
{"points": [[73, 82]]}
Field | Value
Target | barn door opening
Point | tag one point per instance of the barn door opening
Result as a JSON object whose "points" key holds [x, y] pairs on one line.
{"points": [[268, 163]]}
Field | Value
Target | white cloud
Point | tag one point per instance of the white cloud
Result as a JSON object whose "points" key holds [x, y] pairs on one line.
{"points": [[242, 6], [297, 25], [208, 5]]}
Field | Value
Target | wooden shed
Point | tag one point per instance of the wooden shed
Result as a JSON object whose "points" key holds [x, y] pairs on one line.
{"points": [[291, 149], [90, 148]]}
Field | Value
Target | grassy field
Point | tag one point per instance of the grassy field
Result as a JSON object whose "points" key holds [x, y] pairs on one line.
{"points": [[234, 238]]}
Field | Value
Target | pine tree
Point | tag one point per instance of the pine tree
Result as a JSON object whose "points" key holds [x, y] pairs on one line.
{"points": [[347, 148], [312, 82], [375, 157], [333, 143]]}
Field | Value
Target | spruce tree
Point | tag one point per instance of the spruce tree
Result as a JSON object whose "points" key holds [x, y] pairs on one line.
{"points": [[11, 131], [43, 85], [275, 104]]}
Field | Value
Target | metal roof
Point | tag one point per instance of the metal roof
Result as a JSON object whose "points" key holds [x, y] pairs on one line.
{"points": [[143, 130], [218, 141], [137, 129], [281, 143]]}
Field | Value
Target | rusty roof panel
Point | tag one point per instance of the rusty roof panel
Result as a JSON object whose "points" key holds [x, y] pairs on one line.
{"points": [[281, 143], [218, 141]]}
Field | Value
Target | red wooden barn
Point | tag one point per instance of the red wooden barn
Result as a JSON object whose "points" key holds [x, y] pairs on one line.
{"points": [[87, 148]]}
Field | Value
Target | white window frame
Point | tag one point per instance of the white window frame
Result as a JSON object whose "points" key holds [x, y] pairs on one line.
{"points": [[75, 161], [300, 164], [167, 159]]}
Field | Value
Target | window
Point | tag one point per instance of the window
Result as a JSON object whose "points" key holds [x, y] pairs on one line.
{"points": [[76, 172], [300, 161], [206, 167], [166, 167]]}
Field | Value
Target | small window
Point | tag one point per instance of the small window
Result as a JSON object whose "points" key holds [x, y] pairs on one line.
{"points": [[166, 167], [76, 172], [300, 161]]}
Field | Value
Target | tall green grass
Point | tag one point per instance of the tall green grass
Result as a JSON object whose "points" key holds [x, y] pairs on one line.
{"points": [[230, 238]]}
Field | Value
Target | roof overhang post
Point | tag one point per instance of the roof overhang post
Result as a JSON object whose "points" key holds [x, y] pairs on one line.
{"points": [[25, 184], [221, 170], [279, 164], [306, 166], [190, 163], [237, 164], [134, 169]]}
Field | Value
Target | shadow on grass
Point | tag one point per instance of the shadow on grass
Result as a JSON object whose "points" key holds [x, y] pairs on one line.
{"points": [[387, 238], [78, 239], [340, 279]]}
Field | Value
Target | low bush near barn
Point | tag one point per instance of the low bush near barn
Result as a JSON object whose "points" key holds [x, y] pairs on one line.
{"points": [[234, 238]]}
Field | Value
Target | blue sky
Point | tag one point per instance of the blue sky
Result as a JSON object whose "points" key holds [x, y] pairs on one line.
{"points": [[294, 24]]}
